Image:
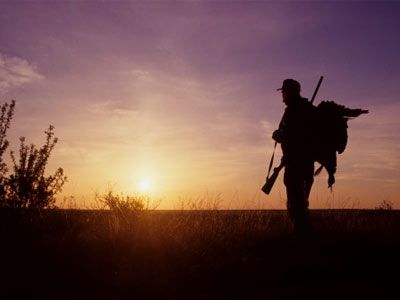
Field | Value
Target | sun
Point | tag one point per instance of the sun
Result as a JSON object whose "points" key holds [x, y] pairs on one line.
{"points": [[144, 185]]}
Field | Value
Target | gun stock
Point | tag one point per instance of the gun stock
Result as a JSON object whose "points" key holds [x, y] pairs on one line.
{"points": [[270, 181]]}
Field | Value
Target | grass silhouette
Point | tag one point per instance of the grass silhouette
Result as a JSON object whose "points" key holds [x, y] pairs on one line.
{"points": [[197, 254]]}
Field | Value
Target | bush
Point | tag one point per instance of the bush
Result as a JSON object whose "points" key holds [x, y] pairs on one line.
{"points": [[124, 209], [27, 186], [120, 203], [6, 114], [384, 205]]}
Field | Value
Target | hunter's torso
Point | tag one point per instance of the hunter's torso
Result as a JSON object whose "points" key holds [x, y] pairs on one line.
{"points": [[296, 128]]}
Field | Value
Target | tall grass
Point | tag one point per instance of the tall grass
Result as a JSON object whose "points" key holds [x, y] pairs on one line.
{"points": [[135, 250]]}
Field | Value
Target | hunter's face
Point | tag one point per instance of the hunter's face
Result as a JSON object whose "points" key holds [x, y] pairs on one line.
{"points": [[285, 97], [288, 96]]}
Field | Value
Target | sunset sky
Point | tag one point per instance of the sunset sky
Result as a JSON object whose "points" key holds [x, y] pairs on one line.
{"points": [[179, 99]]}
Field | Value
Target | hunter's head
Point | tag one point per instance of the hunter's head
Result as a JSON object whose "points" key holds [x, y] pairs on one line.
{"points": [[290, 90]]}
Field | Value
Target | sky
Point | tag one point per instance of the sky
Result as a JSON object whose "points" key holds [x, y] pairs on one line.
{"points": [[178, 99]]}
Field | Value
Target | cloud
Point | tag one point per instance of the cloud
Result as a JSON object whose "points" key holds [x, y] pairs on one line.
{"points": [[113, 108], [15, 71]]}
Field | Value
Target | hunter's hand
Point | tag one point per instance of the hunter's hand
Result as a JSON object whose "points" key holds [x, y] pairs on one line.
{"points": [[277, 136]]}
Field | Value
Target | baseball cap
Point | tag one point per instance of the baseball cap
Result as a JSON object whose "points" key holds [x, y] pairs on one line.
{"points": [[290, 84]]}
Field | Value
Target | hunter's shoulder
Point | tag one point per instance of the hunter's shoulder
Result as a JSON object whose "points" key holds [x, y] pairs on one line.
{"points": [[305, 104], [304, 100]]}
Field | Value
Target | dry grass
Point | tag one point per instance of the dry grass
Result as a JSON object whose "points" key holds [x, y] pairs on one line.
{"points": [[197, 253]]}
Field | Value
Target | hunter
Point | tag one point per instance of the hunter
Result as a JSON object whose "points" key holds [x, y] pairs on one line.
{"points": [[295, 136]]}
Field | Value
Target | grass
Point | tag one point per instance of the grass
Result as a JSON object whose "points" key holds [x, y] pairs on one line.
{"points": [[197, 254]]}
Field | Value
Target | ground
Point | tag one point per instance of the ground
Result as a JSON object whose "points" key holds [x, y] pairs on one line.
{"points": [[198, 254]]}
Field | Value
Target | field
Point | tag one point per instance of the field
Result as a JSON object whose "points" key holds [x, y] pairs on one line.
{"points": [[197, 254]]}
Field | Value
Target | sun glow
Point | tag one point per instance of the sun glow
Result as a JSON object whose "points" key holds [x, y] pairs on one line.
{"points": [[144, 185]]}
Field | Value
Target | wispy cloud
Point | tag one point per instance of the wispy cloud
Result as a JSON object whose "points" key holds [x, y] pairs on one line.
{"points": [[113, 108], [15, 71]]}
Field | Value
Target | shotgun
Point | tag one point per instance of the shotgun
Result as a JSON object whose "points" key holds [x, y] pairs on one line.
{"points": [[269, 183]]}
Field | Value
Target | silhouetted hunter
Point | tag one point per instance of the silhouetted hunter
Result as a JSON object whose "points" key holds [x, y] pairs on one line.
{"points": [[295, 136], [307, 134]]}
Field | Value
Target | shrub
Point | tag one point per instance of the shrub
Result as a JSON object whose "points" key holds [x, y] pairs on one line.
{"points": [[27, 186], [121, 203], [385, 205], [6, 114], [124, 209]]}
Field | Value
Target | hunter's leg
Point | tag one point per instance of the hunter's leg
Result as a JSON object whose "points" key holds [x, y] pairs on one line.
{"points": [[297, 200], [309, 180]]}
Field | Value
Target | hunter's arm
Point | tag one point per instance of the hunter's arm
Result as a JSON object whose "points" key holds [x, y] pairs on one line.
{"points": [[279, 134]]}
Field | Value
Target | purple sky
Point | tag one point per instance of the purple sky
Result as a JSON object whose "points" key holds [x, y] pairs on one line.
{"points": [[184, 93]]}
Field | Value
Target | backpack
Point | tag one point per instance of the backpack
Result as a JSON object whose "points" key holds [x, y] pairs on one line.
{"points": [[330, 135]]}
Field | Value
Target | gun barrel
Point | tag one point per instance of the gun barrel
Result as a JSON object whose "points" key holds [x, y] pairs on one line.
{"points": [[317, 88]]}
